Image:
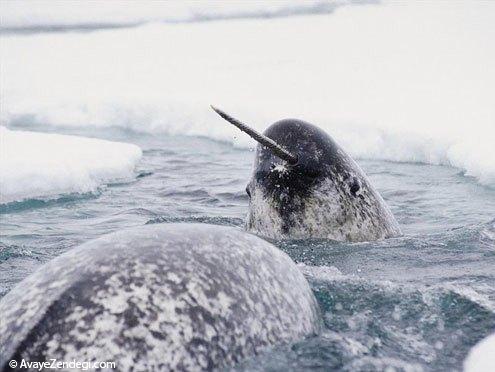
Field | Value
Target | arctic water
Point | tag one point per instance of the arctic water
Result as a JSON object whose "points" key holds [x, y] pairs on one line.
{"points": [[417, 302]]}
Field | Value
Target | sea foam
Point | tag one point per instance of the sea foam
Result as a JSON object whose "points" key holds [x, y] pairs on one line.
{"points": [[40, 165], [411, 82]]}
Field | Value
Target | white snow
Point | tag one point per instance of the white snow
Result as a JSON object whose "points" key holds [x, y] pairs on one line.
{"points": [[39, 165], [481, 358], [401, 81], [23, 14]]}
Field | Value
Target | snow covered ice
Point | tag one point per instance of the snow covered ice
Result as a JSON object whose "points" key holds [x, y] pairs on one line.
{"points": [[481, 358], [40, 165], [408, 82]]}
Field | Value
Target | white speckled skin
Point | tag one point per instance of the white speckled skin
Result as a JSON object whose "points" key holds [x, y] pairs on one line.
{"points": [[159, 297], [328, 213], [316, 197]]}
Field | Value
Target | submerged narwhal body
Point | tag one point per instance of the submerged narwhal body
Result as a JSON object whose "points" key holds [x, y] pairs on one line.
{"points": [[305, 186], [164, 297]]}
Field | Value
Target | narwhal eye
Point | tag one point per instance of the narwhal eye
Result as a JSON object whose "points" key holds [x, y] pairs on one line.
{"points": [[355, 186]]}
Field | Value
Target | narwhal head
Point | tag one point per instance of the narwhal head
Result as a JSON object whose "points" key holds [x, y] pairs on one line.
{"points": [[304, 185]]}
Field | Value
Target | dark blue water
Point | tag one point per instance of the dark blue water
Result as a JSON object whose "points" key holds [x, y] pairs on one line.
{"points": [[418, 302]]}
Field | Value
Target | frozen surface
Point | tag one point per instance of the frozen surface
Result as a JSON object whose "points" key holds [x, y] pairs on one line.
{"points": [[40, 165], [481, 358], [409, 82], [46, 15]]}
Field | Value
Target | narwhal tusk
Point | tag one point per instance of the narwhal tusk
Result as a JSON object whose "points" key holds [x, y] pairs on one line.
{"points": [[274, 147]]}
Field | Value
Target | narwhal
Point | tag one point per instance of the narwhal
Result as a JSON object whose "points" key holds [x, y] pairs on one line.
{"points": [[164, 297], [304, 185]]}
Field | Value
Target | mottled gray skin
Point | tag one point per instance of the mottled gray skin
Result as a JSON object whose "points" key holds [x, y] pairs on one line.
{"points": [[324, 195], [159, 297]]}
